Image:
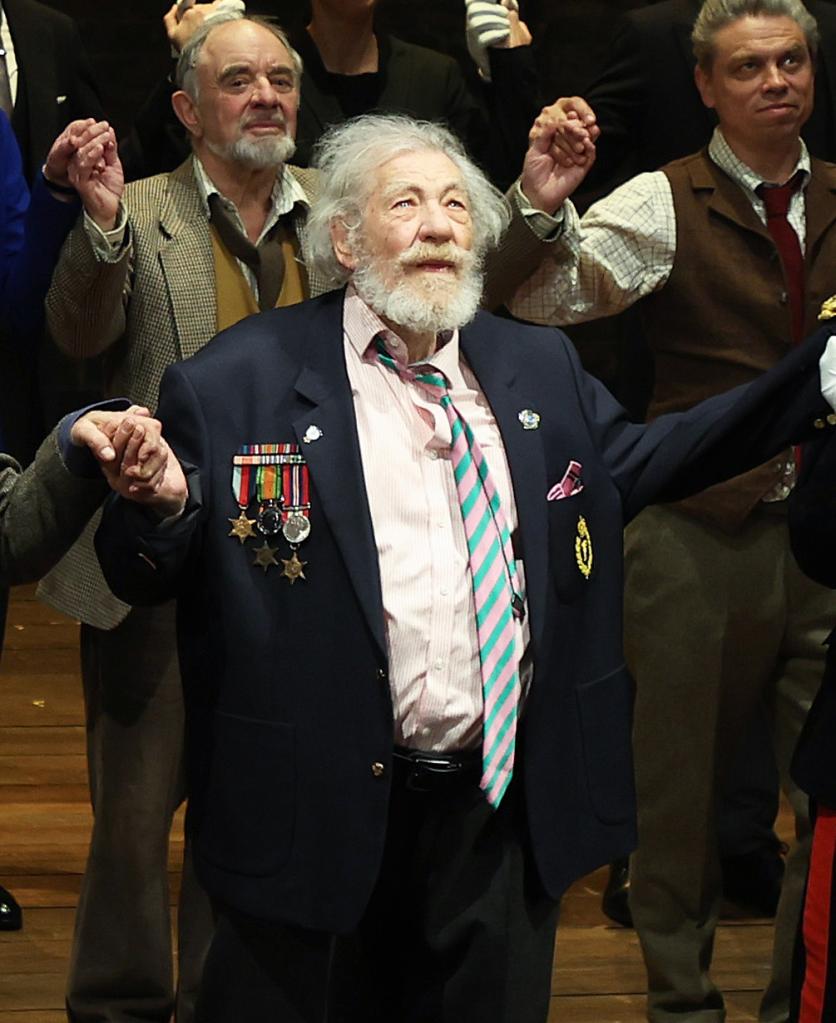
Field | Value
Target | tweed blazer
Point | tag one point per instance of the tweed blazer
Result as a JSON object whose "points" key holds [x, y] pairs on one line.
{"points": [[42, 511], [154, 306]]}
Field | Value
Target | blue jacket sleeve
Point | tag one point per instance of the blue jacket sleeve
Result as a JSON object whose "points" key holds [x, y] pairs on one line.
{"points": [[32, 232]]}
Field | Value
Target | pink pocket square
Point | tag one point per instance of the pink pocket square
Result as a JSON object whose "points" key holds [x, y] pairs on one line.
{"points": [[570, 485]]}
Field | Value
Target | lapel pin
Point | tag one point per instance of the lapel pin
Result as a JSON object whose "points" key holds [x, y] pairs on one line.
{"points": [[530, 420], [311, 434]]}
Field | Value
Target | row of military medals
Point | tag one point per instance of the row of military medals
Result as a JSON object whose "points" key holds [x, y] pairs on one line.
{"points": [[276, 476]]}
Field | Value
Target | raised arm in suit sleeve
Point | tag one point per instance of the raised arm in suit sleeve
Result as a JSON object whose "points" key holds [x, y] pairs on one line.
{"points": [[682, 453], [812, 512], [87, 300], [143, 558]]}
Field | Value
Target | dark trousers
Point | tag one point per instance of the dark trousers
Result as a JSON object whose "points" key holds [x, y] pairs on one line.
{"points": [[457, 930]]}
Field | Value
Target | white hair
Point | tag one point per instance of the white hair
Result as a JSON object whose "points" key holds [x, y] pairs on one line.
{"points": [[348, 155]]}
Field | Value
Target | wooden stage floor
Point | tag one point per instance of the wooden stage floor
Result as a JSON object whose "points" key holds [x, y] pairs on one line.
{"points": [[44, 828]]}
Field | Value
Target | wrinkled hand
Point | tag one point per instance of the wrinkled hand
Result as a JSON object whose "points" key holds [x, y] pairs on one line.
{"points": [[561, 153], [62, 150], [493, 24], [134, 457], [95, 172], [180, 26]]}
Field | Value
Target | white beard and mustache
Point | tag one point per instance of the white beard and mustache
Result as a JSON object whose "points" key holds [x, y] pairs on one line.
{"points": [[427, 302], [257, 153]]}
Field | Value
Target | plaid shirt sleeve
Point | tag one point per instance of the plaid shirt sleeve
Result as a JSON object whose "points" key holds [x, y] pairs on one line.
{"points": [[621, 250]]}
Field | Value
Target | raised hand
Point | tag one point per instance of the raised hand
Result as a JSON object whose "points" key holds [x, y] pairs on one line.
{"points": [[183, 20], [95, 171], [62, 150], [561, 153]]}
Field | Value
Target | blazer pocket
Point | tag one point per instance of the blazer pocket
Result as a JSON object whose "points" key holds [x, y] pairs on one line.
{"points": [[605, 708], [571, 550], [250, 806]]}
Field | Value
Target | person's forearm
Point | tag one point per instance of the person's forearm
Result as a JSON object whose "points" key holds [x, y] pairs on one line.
{"points": [[85, 303], [42, 512]]}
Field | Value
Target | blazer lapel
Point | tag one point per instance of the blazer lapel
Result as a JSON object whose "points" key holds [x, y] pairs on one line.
{"points": [[187, 263], [334, 457], [496, 371]]}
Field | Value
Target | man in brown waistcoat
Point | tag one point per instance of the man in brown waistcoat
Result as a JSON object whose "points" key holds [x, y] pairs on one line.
{"points": [[731, 252], [148, 277]]}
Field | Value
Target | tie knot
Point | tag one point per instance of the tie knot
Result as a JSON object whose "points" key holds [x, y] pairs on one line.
{"points": [[777, 198], [391, 353]]}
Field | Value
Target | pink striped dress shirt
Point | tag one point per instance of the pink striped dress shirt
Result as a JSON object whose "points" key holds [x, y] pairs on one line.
{"points": [[421, 546]]}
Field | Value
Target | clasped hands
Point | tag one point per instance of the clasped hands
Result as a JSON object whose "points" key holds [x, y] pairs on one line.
{"points": [[134, 457], [561, 152]]}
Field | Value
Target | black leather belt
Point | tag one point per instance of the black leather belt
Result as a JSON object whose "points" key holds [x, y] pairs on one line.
{"points": [[423, 771]]}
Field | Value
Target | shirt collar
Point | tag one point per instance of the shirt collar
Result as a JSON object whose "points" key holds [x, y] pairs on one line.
{"points": [[724, 157], [286, 192], [362, 325]]}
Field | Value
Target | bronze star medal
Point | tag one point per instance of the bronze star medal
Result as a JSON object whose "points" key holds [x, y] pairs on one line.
{"points": [[242, 527], [293, 568], [265, 556]]}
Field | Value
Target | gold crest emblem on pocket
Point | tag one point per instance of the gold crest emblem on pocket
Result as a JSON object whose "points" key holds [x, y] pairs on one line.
{"points": [[828, 308], [583, 548]]}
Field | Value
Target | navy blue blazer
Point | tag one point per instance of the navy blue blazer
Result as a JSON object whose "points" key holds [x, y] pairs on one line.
{"points": [[287, 686]]}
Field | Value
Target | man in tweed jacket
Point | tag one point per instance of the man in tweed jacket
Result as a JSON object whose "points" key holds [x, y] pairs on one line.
{"points": [[146, 279]]}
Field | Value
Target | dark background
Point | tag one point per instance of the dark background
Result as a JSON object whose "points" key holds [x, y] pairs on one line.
{"points": [[127, 45]]}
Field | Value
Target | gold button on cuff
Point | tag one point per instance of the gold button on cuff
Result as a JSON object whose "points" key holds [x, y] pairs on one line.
{"points": [[831, 419], [819, 424], [378, 770]]}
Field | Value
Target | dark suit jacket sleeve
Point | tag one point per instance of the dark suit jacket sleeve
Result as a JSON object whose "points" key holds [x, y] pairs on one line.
{"points": [[143, 559], [682, 453], [42, 512], [617, 97], [812, 512], [514, 99]]}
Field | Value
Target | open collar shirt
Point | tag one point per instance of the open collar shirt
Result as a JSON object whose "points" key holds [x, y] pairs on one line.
{"points": [[434, 668]]}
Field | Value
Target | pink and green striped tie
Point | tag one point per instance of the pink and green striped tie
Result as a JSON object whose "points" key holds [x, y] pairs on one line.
{"points": [[496, 593]]}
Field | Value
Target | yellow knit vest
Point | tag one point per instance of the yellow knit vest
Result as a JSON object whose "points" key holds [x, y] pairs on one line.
{"points": [[234, 297]]}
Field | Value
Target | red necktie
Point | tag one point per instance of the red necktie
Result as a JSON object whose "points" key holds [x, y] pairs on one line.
{"points": [[776, 199]]}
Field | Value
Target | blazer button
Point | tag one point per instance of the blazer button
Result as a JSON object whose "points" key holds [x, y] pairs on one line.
{"points": [[831, 419], [378, 770], [819, 424]]}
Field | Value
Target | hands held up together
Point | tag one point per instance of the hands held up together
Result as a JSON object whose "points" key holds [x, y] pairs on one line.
{"points": [[134, 457], [560, 154], [85, 158]]}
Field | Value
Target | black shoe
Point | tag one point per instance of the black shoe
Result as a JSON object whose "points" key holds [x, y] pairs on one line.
{"points": [[11, 918], [614, 903], [753, 880]]}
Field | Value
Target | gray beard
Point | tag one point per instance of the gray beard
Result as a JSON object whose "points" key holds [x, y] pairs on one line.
{"points": [[257, 154], [428, 306]]}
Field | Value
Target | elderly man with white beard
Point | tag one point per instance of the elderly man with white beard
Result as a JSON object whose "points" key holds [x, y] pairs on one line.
{"points": [[153, 271], [396, 551]]}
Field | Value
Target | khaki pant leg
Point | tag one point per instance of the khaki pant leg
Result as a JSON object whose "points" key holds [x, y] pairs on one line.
{"points": [[121, 966], [703, 627]]}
